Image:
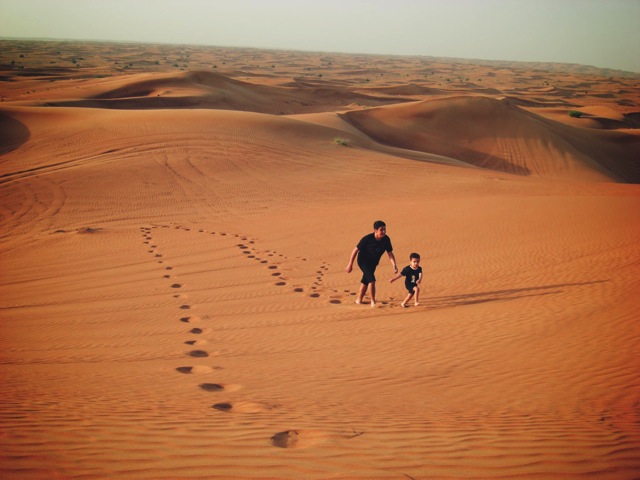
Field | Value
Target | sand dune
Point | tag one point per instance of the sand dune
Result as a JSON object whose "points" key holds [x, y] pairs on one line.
{"points": [[174, 298], [209, 90], [495, 134]]}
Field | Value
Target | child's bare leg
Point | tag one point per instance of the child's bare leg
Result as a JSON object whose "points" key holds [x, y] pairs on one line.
{"points": [[404, 302], [361, 292], [416, 289], [372, 292]]}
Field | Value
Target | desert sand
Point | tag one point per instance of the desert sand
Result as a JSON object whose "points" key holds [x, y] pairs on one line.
{"points": [[175, 226]]}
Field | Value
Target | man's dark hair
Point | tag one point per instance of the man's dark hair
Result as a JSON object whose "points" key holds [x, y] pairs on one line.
{"points": [[414, 255], [378, 223]]}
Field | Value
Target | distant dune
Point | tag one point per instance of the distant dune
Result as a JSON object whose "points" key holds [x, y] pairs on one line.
{"points": [[497, 135], [210, 90]]}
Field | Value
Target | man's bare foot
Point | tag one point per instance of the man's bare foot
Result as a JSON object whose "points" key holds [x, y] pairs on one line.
{"points": [[403, 305], [373, 304], [358, 301], [417, 304]]}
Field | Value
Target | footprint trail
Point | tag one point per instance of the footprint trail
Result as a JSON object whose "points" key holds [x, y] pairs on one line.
{"points": [[199, 324]]}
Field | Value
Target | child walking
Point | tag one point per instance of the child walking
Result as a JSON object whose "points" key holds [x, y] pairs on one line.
{"points": [[412, 274]]}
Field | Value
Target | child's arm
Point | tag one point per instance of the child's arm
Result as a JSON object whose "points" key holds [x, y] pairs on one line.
{"points": [[419, 279]]}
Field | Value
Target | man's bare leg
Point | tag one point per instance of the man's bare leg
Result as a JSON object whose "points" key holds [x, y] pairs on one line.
{"points": [[361, 292], [372, 292]]}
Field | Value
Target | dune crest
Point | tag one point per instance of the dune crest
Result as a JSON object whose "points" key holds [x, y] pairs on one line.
{"points": [[498, 135], [201, 89]]}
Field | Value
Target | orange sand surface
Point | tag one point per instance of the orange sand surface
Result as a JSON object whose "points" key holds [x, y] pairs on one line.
{"points": [[175, 224]]}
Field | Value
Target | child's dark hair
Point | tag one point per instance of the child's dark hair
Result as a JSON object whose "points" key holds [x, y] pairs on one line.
{"points": [[378, 224], [414, 255]]}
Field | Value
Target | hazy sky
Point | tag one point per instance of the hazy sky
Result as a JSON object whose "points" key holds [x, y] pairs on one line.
{"points": [[603, 33]]}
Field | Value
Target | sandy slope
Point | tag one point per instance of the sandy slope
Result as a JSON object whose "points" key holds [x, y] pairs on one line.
{"points": [[175, 305], [498, 135]]}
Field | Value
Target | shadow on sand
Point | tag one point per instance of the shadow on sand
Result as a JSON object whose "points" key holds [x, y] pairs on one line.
{"points": [[12, 133], [502, 295]]}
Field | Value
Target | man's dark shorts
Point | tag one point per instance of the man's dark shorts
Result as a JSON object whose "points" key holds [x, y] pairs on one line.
{"points": [[368, 272]]}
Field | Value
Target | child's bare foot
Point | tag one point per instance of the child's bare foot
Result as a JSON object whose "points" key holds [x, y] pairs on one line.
{"points": [[358, 301], [403, 305], [373, 304], [417, 304]]}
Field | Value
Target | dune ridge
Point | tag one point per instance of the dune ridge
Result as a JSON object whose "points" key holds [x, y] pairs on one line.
{"points": [[495, 134], [200, 89], [173, 295]]}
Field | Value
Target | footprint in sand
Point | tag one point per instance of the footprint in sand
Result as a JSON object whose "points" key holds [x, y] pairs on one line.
{"points": [[191, 319], [211, 387], [301, 438], [198, 353], [195, 370], [286, 439], [243, 407], [185, 307]]}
